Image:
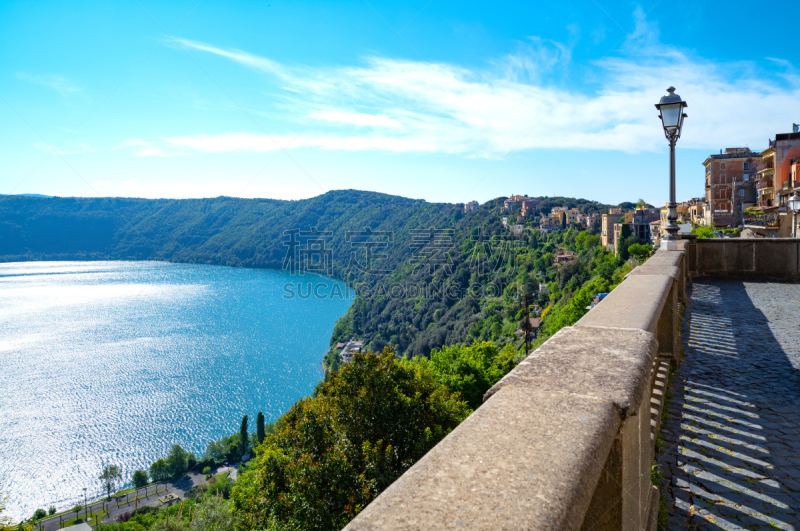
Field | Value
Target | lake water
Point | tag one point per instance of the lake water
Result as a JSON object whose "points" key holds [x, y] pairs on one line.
{"points": [[114, 362]]}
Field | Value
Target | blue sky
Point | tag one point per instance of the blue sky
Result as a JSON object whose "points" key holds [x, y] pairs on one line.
{"points": [[446, 101]]}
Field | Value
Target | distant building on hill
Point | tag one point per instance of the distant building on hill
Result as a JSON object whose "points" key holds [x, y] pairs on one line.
{"points": [[472, 205], [607, 227], [350, 348], [514, 203], [529, 207]]}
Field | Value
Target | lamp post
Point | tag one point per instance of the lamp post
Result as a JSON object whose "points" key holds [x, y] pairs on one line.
{"points": [[794, 205], [671, 108], [85, 508]]}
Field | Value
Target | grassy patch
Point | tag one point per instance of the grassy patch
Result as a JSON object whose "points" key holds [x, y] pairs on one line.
{"points": [[142, 497], [93, 520], [655, 475], [663, 515], [133, 489]]}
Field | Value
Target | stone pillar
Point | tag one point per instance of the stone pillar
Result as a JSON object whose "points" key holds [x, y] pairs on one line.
{"points": [[623, 498]]}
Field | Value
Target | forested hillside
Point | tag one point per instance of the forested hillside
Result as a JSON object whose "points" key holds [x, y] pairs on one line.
{"points": [[222, 230], [427, 275]]}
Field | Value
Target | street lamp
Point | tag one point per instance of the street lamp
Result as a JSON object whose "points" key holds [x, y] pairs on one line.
{"points": [[794, 205], [85, 509], [671, 108]]}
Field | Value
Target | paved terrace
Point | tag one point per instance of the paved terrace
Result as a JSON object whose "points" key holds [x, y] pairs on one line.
{"points": [[567, 440], [732, 444]]}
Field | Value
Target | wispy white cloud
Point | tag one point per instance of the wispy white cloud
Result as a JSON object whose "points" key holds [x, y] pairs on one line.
{"points": [[62, 85], [239, 56], [355, 118], [514, 104]]}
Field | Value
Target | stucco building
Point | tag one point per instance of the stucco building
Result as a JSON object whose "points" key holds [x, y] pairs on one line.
{"points": [[723, 173], [787, 151]]}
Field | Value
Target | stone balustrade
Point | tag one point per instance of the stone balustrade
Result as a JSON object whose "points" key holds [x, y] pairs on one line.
{"points": [[566, 440], [777, 258]]}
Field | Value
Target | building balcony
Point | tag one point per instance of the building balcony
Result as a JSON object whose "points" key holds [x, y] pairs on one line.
{"points": [[765, 166], [762, 219], [764, 184], [765, 202]]}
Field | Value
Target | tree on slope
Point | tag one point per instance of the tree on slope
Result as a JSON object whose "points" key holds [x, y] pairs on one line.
{"points": [[139, 479], [159, 471], [110, 476], [243, 433], [260, 433], [177, 460]]}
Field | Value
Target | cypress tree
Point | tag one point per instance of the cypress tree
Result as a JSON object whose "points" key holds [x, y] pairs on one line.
{"points": [[244, 434], [260, 434]]}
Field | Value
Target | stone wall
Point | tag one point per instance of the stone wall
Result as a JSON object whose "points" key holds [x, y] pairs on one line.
{"points": [[566, 439], [777, 258]]}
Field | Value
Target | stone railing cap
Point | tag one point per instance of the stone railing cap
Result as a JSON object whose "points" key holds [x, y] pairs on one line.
{"points": [[656, 269], [634, 304], [665, 258], [602, 363], [523, 460]]}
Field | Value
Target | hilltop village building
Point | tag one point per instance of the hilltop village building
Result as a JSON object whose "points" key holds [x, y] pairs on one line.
{"points": [[725, 174], [607, 227], [776, 180], [526, 206], [689, 213], [643, 223], [563, 216], [640, 220], [739, 179]]}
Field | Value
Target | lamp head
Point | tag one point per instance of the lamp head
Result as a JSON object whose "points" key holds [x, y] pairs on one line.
{"points": [[794, 202], [671, 108]]}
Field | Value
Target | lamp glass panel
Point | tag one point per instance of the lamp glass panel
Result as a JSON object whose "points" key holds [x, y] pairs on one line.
{"points": [[671, 115], [794, 203]]}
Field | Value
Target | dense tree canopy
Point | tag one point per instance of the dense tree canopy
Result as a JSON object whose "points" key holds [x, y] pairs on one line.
{"points": [[332, 454], [139, 479]]}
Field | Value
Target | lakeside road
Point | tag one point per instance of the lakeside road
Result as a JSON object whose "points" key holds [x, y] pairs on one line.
{"points": [[119, 505]]}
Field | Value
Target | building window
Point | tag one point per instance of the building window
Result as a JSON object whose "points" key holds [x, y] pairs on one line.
{"points": [[746, 176], [741, 193], [722, 165], [746, 165]]}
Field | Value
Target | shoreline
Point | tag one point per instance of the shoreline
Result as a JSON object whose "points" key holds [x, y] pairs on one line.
{"points": [[54, 491]]}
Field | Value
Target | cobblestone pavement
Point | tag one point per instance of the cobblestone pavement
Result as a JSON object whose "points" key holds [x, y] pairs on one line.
{"points": [[731, 445]]}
